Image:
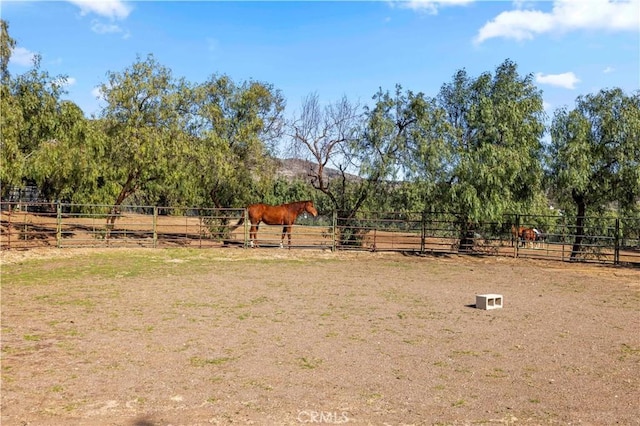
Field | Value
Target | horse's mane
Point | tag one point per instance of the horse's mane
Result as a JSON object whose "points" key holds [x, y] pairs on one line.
{"points": [[295, 203]]}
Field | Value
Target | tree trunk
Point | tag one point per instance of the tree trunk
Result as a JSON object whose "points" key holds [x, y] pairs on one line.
{"points": [[467, 237], [577, 243], [127, 189]]}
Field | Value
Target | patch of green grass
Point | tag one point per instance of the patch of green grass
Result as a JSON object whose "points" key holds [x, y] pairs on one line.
{"points": [[497, 373], [196, 361], [260, 385], [116, 265], [32, 337], [464, 353], [458, 403], [309, 363], [66, 346], [372, 397], [259, 300], [72, 406], [6, 377], [628, 351]]}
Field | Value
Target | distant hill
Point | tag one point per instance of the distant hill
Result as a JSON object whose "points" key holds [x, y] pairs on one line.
{"points": [[292, 168]]}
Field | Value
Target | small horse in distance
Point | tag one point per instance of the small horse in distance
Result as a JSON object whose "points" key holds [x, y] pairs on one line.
{"points": [[284, 214], [524, 235]]}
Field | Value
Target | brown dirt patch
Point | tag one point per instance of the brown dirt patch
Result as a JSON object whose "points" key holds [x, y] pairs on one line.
{"points": [[268, 336]]}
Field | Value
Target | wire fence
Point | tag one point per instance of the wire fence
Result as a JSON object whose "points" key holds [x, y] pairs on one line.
{"points": [[553, 237]]}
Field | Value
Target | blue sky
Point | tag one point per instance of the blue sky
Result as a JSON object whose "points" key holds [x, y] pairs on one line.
{"points": [[335, 48]]}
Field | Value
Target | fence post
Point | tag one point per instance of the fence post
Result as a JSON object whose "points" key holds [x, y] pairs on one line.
{"points": [[423, 232], [334, 230], [58, 224], [564, 234], [516, 238], [9, 227], [616, 247], [155, 226]]}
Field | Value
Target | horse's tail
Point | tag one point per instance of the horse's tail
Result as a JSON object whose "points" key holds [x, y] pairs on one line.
{"points": [[237, 225]]}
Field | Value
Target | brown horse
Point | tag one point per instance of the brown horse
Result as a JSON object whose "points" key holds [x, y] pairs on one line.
{"points": [[524, 235], [284, 214]]}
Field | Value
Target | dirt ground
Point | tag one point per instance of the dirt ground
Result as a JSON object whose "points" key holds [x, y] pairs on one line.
{"points": [[283, 337]]}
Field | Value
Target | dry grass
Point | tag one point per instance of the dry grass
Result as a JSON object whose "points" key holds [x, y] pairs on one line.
{"points": [[268, 336]]}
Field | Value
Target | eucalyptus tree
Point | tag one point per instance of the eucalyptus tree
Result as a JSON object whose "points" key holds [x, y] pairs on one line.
{"points": [[595, 156], [494, 128], [234, 130]]}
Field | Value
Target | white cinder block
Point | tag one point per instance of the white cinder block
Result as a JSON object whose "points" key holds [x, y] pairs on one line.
{"points": [[489, 301]]}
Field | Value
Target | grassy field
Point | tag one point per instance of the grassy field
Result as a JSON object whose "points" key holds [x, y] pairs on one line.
{"points": [[269, 336]]}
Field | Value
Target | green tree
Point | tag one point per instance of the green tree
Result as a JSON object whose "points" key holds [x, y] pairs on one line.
{"points": [[495, 125], [66, 167], [7, 44], [367, 148], [30, 105], [231, 156], [12, 159], [595, 156], [144, 120]]}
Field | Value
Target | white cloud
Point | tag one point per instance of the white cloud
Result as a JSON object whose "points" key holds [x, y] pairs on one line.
{"points": [[567, 80], [516, 24], [102, 28], [429, 6], [566, 15], [21, 56], [112, 9], [523, 4], [608, 70]]}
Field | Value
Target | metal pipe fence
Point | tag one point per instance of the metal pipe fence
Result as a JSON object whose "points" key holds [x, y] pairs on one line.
{"points": [[552, 237]]}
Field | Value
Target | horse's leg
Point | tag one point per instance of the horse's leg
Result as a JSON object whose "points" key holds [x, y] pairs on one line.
{"points": [[284, 232], [253, 235], [289, 234]]}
